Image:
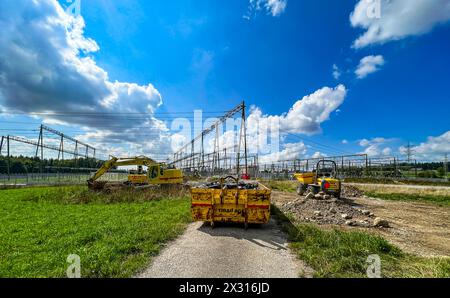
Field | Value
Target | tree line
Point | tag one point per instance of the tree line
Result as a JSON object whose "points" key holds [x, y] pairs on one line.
{"points": [[24, 165]]}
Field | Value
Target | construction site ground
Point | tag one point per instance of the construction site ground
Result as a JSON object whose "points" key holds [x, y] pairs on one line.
{"points": [[416, 227], [263, 251]]}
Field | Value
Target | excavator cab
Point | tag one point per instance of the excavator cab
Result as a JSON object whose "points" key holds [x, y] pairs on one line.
{"points": [[161, 174], [156, 174]]}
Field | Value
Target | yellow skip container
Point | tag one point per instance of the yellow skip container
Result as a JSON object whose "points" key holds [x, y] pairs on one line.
{"points": [[247, 203]]}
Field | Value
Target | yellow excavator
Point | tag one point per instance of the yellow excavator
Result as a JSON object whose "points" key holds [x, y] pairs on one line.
{"points": [[157, 173]]}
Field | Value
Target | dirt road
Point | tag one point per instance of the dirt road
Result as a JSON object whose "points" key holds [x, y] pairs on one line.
{"points": [[228, 251], [419, 228]]}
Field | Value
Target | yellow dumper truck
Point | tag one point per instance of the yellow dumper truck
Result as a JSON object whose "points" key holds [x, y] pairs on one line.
{"points": [[323, 179], [231, 200]]}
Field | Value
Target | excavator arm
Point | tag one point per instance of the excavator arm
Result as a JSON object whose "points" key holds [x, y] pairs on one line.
{"points": [[115, 162]]}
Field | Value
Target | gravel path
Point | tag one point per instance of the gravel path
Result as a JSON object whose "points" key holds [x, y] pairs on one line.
{"points": [[228, 251]]}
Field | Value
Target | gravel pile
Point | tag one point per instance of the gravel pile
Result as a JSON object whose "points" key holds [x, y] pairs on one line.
{"points": [[332, 211], [349, 191]]}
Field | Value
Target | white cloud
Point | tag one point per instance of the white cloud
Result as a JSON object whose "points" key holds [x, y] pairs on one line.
{"points": [[368, 65], [336, 72], [46, 66], [433, 149], [344, 142], [376, 147], [387, 151], [366, 142], [272, 7], [306, 115], [318, 155], [276, 7], [397, 19], [291, 151], [265, 133]]}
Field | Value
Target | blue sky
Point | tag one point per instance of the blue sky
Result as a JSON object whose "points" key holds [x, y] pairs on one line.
{"points": [[211, 55]]}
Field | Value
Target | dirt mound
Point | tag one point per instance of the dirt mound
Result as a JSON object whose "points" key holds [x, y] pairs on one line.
{"points": [[332, 211], [349, 191]]}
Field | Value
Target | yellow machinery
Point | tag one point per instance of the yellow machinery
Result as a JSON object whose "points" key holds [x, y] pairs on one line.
{"points": [[324, 179], [157, 174], [222, 201]]}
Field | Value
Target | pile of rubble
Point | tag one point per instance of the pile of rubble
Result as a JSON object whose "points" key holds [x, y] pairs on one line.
{"points": [[349, 191], [323, 209]]}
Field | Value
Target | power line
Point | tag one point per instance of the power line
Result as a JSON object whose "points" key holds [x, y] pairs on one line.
{"points": [[318, 145]]}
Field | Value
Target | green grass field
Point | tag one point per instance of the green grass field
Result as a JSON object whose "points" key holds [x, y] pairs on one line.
{"points": [[115, 236], [284, 185], [341, 253]]}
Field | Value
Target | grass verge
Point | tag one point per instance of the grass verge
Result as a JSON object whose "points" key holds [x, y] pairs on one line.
{"points": [[339, 253], [115, 236]]}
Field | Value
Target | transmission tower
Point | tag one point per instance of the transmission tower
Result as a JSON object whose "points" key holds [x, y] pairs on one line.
{"points": [[409, 151]]}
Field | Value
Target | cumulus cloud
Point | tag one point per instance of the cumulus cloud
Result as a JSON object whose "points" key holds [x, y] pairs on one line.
{"points": [[47, 68], [376, 147], [306, 115], [368, 65], [291, 151], [433, 149], [396, 19], [272, 7], [318, 155]]}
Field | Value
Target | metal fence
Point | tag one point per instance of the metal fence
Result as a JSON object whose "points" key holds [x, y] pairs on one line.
{"points": [[359, 166], [31, 179], [349, 166]]}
